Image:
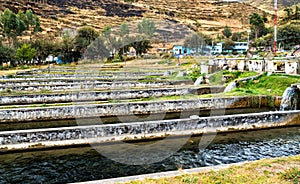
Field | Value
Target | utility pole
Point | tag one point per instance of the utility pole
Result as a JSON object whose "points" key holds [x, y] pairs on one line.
{"points": [[275, 27]]}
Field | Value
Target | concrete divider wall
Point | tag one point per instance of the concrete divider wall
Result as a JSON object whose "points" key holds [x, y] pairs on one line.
{"points": [[90, 73], [86, 85], [132, 108], [72, 79], [138, 130], [105, 95]]}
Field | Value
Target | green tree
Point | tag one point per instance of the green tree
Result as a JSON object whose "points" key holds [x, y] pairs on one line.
{"points": [[13, 25], [257, 23], [227, 32], [67, 47], [32, 22], [25, 53], [10, 25], [228, 45], [45, 47], [84, 37], [265, 17], [236, 36], [7, 54], [194, 41], [106, 32], [289, 13], [124, 34], [97, 50], [140, 44], [289, 35], [124, 30], [297, 14], [147, 27]]}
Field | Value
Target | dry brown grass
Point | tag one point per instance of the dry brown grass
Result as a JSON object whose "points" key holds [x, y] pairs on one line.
{"points": [[266, 171]]}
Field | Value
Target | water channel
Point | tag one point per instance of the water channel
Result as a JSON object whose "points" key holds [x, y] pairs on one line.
{"points": [[85, 163]]}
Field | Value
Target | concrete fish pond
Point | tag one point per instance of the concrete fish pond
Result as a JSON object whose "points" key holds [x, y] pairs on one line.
{"points": [[66, 110], [26, 139]]}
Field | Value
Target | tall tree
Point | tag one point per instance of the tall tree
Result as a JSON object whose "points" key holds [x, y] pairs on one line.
{"points": [[147, 27], [227, 32], [289, 35], [97, 50], [25, 53], [67, 47], [45, 47], [106, 32], [33, 23], [194, 41], [228, 45], [14, 25], [124, 30], [84, 37], [236, 36], [257, 23], [10, 25], [7, 54], [140, 44]]}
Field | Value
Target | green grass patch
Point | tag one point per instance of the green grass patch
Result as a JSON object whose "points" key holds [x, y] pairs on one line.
{"points": [[273, 85], [266, 171], [217, 78]]}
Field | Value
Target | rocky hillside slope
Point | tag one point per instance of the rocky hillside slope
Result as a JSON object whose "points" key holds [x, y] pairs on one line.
{"points": [[208, 16]]}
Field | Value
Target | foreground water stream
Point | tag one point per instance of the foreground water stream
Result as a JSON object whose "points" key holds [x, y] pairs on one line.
{"points": [[84, 163]]}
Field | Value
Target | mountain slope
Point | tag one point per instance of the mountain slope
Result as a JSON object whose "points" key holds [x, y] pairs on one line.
{"points": [[208, 16]]}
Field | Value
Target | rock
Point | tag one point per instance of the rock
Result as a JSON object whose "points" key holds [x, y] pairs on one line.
{"points": [[199, 81], [269, 73], [230, 86], [167, 73], [181, 74]]}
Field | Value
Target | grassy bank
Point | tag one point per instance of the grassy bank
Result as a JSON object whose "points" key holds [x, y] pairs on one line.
{"points": [[266, 171], [274, 84]]}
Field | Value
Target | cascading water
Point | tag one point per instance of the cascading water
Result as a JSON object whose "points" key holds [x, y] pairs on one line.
{"points": [[290, 99], [231, 86]]}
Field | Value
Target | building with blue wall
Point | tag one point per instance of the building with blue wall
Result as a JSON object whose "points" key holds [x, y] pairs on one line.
{"points": [[239, 47]]}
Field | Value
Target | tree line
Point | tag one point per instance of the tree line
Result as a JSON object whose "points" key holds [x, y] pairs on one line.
{"points": [[87, 43]]}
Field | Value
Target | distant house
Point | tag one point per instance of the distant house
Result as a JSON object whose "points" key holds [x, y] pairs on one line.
{"points": [[239, 47], [217, 49], [181, 50]]}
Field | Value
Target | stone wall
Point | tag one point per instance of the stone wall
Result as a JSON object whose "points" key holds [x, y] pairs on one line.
{"points": [[104, 95], [132, 108], [142, 130]]}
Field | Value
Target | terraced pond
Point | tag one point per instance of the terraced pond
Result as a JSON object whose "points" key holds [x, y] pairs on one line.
{"points": [[55, 115]]}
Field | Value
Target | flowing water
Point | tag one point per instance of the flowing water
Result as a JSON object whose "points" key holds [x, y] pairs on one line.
{"points": [[290, 99], [84, 163]]}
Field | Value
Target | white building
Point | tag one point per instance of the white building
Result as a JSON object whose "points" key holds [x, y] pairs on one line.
{"points": [[239, 47]]}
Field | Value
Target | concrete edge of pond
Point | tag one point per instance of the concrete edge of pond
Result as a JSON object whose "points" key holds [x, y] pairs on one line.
{"points": [[132, 108], [113, 133]]}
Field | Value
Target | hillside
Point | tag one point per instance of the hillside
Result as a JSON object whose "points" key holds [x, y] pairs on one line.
{"points": [[267, 5], [208, 16]]}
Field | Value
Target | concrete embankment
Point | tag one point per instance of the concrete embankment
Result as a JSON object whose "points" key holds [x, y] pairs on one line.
{"points": [[105, 95], [92, 85], [132, 108], [78, 135]]}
